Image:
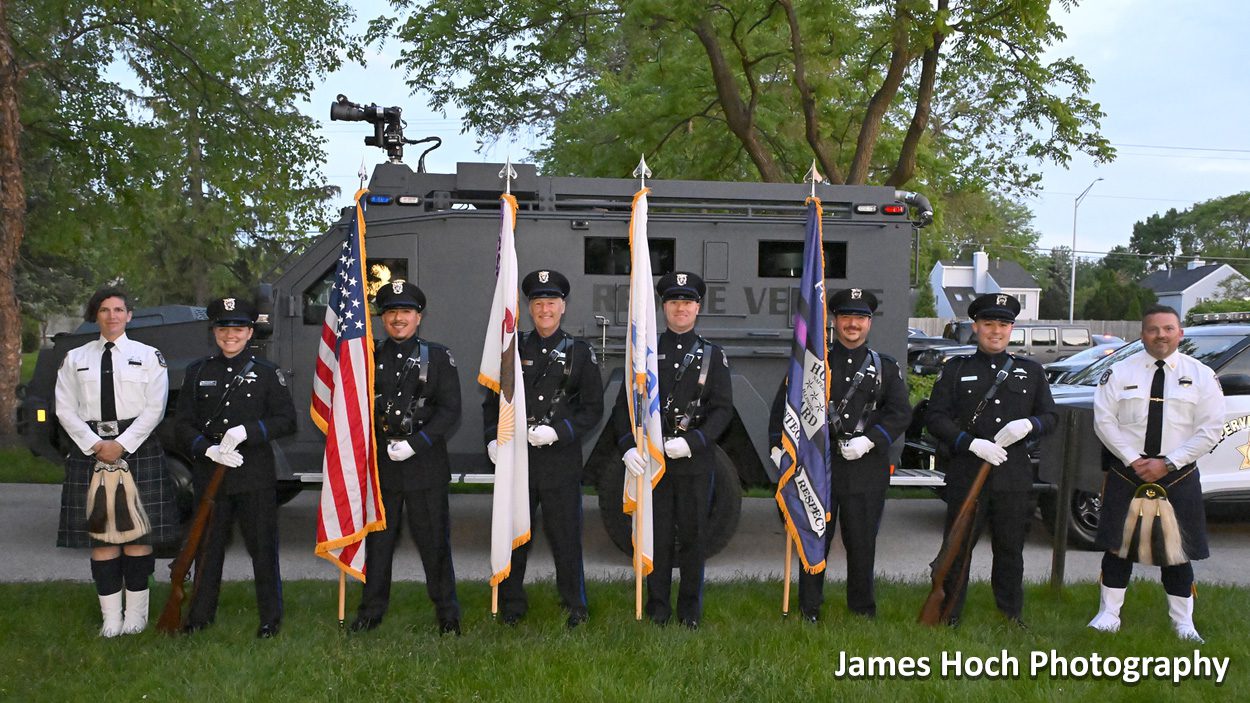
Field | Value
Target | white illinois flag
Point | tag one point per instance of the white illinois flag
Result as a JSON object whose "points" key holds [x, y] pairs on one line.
{"points": [[642, 382], [501, 372]]}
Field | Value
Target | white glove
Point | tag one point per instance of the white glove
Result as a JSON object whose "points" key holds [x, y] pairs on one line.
{"points": [[988, 451], [776, 454], [856, 447], [635, 462], [1013, 432], [399, 450], [492, 451], [225, 457], [233, 437], [677, 448], [542, 435]]}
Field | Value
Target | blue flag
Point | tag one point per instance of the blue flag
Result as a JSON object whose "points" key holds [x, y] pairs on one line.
{"points": [[803, 491]]}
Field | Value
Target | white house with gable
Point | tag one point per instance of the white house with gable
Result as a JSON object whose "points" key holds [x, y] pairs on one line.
{"points": [[1184, 288], [955, 284]]}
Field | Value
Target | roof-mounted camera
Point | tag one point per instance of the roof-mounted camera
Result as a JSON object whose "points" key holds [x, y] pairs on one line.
{"points": [[388, 128]]}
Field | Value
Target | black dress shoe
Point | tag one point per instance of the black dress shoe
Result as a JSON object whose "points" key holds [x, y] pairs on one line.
{"points": [[364, 624], [1018, 622], [267, 631], [690, 624], [812, 617], [576, 618], [193, 627], [509, 619], [447, 627]]}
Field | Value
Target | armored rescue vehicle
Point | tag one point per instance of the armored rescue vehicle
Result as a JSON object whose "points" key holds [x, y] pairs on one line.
{"points": [[440, 231]]}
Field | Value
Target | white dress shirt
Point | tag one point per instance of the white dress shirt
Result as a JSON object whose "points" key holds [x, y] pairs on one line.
{"points": [[140, 387], [1193, 408]]}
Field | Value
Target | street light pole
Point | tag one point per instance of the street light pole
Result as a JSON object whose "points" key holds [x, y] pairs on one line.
{"points": [[1072, 279]]}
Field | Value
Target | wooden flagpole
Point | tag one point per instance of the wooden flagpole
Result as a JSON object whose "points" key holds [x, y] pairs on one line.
{"points": [[342, 597], [494, 601], [785, 588], [640, 443]]}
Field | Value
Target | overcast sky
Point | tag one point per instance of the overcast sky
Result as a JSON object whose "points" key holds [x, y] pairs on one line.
{"points": [[1169, 76]]}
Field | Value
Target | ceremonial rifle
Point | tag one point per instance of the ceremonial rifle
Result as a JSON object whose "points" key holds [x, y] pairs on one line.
{"points": [[171, 617], [952, 545]]}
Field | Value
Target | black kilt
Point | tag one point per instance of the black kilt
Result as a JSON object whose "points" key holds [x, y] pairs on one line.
{"points": [[156, 492], [1184, 488]]}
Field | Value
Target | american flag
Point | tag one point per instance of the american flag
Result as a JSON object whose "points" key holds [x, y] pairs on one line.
{"points": [[643, 383], [803, 491], [342, 407]]}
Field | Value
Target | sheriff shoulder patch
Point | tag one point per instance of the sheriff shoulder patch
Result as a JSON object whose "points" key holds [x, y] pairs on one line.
{"points": [[281, 377], [1106, 376], [451, 359], [160, 358]]}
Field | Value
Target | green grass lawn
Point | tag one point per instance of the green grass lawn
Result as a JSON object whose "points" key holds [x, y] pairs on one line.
{"points": [[744, 651], [18, 465]]}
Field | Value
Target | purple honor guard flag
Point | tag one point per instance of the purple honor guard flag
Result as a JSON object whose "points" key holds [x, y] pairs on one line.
{"points": [[803, 491]]}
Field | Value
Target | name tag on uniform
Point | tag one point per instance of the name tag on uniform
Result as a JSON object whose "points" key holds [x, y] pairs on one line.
{"points": [[1186, 382], [135, 362], [527, 362], [208, 383], [967, 378], [85, 368], [1130, 388]]}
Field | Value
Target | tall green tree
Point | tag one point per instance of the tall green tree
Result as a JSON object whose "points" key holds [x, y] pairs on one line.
{"points": [[874, 92], [1211, 230], [156, 142]]}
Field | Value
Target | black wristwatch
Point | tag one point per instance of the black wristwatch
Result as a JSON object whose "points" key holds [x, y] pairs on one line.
{"points": [[1168, 463]]}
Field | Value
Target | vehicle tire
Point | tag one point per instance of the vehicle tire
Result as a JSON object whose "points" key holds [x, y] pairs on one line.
{"points": [[725, 511], [184, 502], [1083, 521]]}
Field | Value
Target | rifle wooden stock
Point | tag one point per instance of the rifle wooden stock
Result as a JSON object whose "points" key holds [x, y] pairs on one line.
{"points": [[171, 617], [952, 545]]}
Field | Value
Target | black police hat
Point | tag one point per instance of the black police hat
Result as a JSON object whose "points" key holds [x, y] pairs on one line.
{"points": [[681, 285], [853, 301], [545, 284], [399, 294], [232, 312], [995, 306]]}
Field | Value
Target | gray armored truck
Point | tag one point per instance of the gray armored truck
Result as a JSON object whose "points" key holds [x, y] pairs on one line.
{"points": [[440, 231]]}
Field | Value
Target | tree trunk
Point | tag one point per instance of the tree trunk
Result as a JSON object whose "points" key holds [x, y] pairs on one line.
{"points": [[870, 128], [737, 115], [905, 168], [807, 101], [12, 227]]}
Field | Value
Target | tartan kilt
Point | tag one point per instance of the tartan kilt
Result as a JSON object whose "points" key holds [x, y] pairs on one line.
{"points": [[156, 492], [1184, 489]]}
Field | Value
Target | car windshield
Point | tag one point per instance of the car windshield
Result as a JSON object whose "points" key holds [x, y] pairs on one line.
{"points": [[1088, 355], [1206, 349]]}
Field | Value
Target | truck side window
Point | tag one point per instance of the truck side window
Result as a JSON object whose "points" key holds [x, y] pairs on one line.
{"points": [[785, 259], [609, 256], [317, 295], [1016, 339], [1043, 336], [1075, 337]]}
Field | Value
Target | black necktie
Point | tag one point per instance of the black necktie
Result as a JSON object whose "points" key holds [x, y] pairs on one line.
{"points": [[1154, 417], [108, 402]]}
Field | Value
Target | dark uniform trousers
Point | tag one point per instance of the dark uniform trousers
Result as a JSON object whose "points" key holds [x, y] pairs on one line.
{"points": [[430, 526], [563, 390], [1006, 502], [682, 498], [880, 409], [262, 405], [418, 485]]}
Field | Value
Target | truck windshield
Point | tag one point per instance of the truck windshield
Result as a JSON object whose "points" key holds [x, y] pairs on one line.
{"points": [[1206, 348]]}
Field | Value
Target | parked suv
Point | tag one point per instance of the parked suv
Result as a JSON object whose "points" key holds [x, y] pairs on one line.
{"points": [[1041, 342]]}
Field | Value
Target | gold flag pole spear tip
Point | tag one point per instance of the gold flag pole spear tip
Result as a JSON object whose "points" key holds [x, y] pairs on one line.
{"points": [[507, 173]]}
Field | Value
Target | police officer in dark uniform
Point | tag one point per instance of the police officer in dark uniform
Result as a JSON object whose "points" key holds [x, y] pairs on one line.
{"points": [[868, 411], [696, 406], [564, 400], [416, 407], [981, 407], [232, 405]]}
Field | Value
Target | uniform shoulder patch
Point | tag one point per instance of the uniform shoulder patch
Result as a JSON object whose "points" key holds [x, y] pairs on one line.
{"points": [[594, 360], [450, 359], [723, 356], [281, 377], [160, 358], [1106, 376]]}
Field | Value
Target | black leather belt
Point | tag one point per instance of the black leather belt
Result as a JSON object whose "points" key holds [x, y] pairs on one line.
{"points": [[107, 429]]}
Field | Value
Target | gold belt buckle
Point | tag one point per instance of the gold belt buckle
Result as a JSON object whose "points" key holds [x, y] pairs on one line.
{"points": [[107, 428]]}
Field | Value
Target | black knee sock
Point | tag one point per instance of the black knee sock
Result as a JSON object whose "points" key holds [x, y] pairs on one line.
{"points": [[1116, 571], [137, 570], [1178, 580], [107, 576]]}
